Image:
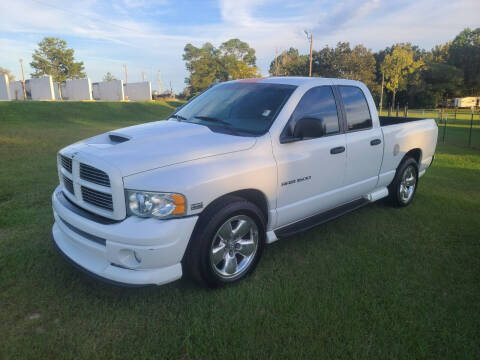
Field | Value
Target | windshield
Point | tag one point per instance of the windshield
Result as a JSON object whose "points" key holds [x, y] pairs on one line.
{"points": [[241, 108]]}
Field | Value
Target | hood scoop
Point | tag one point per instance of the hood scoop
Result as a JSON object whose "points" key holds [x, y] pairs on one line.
{"points": [[117, 139]]}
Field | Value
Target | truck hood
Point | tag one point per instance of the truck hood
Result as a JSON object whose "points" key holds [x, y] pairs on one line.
{"points": [[162, 143]]}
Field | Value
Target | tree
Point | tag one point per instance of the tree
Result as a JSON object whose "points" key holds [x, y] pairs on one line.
{"points": [[464, 53], [356, 64], [396, 68], [109, 77], [344, 62], [237, 50], [289, 63], [241, 70], [442, 81], [237, 60], [11, 77], [325, 63], [54, 58], [203, 64], [234, 59]]}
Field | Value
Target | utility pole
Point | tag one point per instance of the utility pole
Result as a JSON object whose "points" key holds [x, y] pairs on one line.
{"points": [[143, 76], [310, 37], [23, 81], [126, 74], [159, 81], [381, 95]]}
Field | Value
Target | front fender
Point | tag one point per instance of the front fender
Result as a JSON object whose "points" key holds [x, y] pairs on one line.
{"points": [[204, 180]]}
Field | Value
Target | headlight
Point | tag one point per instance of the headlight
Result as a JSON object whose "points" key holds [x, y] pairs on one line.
{"points": [[154, 204]]}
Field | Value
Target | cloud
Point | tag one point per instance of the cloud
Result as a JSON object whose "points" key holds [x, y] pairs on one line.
{"points": [[149, 35]]}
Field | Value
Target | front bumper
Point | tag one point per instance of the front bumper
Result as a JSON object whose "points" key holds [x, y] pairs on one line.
{"points": [[134, 251]]}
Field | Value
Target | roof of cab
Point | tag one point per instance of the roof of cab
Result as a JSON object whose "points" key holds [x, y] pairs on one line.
{"points": [[296, 80]]}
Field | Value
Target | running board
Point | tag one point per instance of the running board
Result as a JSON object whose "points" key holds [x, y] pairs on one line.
{"points": [[311, 222]]}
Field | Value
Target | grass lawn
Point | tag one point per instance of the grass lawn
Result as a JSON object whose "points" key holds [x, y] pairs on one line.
{"points": [[377, 283], [456, 127]]}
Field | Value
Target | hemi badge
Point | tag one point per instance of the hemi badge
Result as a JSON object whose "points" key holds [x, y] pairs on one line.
{"points": [[196, 206]]}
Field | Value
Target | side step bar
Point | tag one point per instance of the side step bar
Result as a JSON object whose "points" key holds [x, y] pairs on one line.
{"points": [[308, 223]]}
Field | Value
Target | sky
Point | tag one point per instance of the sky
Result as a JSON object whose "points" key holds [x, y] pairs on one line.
{"points": [[148, 36]]}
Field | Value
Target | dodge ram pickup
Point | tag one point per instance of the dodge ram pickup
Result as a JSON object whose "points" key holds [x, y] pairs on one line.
{"points": [[241, 165]]}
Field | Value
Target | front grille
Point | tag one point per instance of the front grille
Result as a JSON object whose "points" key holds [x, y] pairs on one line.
{"points": [[66, 163], [97, 198], [94, 175], [68, 184]]}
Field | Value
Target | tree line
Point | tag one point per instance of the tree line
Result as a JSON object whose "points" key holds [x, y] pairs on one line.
{"points": [[400, 74], [403, 73]]}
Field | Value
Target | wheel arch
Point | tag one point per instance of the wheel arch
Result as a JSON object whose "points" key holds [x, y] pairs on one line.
{"points": [[416, 154], [255, 196]]}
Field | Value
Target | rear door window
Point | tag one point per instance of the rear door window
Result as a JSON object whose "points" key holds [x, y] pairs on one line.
{"points": [[356, 108]]}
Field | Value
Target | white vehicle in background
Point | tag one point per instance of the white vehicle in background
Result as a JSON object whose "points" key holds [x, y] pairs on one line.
{"points": [[243, 164]]}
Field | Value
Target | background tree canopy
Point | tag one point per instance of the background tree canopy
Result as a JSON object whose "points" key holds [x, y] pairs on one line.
{"points": [[54, 58], [109, 77], [8, 73], [412, 75], [234, 59]]}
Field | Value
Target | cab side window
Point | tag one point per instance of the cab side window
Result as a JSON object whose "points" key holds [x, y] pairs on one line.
{"points": [[317, 103], [356, 108]]}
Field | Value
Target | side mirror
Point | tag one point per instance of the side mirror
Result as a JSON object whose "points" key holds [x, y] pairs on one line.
{"points": [[306, 128]]}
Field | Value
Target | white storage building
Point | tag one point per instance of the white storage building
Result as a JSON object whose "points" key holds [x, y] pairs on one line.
{"points": [[4, 87], [16, 90], [140, 91], [77, 89], [42, 88], [108, 90]]}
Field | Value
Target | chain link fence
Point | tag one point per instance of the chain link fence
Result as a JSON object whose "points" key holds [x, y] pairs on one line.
{"points": [[455, 126]]}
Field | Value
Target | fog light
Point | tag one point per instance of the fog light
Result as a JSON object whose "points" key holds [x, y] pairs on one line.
{"points": [[129, 258]]}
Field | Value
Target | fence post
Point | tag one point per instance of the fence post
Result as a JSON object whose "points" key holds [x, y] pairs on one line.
{"points": [[470, 134], [444, 125]]}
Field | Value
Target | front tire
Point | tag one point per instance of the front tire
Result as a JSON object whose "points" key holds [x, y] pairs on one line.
{"points": [[404, 186], [227, 243]]}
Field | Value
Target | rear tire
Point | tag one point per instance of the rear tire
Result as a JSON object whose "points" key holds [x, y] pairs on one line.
{"points": [[404, 186], [227, 243]]}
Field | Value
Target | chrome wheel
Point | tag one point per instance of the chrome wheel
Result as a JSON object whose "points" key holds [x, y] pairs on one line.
{"points": [[408, 183], [234, 247]]}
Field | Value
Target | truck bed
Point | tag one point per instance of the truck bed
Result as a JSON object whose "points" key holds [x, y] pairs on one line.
{"points": [[393, 120]]}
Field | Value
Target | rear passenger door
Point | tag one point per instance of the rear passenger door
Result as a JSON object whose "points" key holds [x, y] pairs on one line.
{"points": [[364, 142]]}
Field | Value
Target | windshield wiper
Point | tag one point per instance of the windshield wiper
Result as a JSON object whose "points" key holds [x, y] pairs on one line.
{"points": [[212, 119], [178, 117]]}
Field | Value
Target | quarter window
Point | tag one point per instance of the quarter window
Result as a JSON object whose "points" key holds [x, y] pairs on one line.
{"points": [[316, 103], [356, 108]]}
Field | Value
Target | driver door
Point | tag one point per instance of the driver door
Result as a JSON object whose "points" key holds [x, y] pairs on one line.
{"points": [[311, 171]]}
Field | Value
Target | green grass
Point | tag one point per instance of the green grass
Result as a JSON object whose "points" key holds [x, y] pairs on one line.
{"points": [[456, 127], [379, 283]]}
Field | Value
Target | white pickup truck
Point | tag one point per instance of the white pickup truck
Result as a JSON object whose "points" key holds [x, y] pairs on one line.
{"points": [[241, 165]]}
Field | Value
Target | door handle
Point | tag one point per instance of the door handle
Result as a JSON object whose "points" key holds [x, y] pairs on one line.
{"points": [[337, 150], [375, 142]]}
